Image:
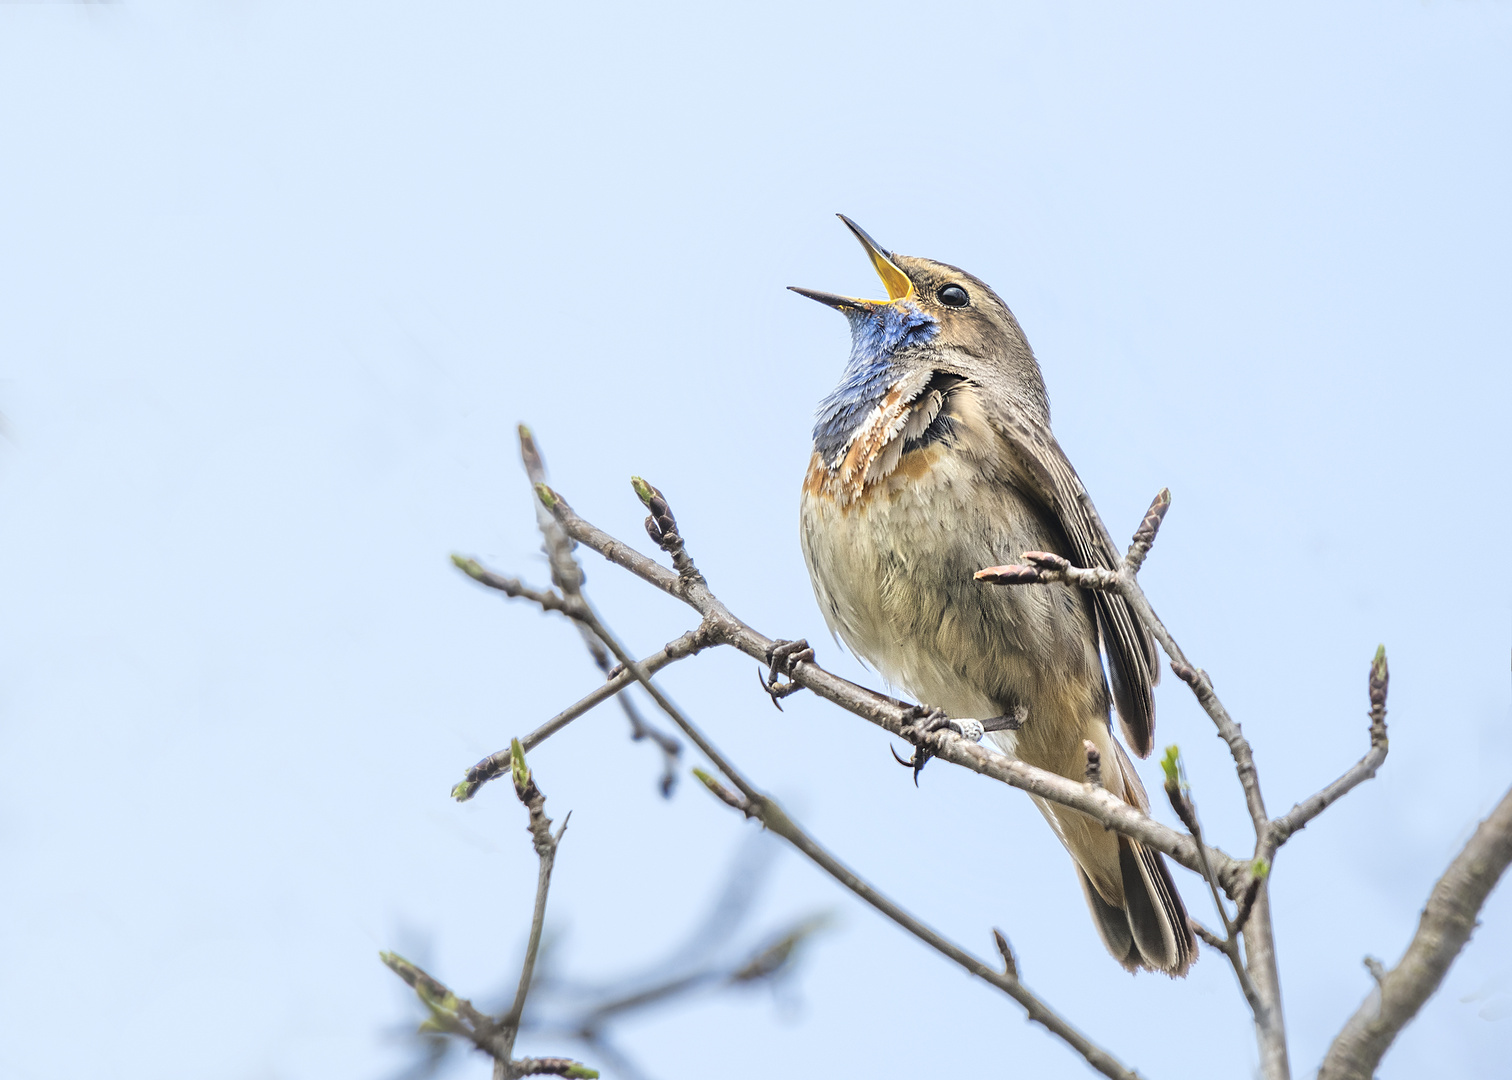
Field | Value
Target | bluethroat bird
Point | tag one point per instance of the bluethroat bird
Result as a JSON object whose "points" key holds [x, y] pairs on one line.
{"points": [[933, 459]]}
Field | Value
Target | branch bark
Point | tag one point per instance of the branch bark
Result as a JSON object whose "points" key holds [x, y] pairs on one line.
{"points": [[1259, 946], [567, 575], [688, 644], [897, 717], [1447, 921], [718, 623], [766, 810], [457, 1016], [546, 848], [1282, 828]]}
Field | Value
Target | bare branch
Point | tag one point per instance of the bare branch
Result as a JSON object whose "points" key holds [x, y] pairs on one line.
{"points": [[894, 716], [567, 575], [546, 848], [457, 1016], [1010, 965], [1260, 955], [1259, 946], [1261, 870], [688, 644], [639, 729], [448, 1012], [511, 587], [1217, 942], [661, 526], [1144, 536], [721, 626], [766, 810], [778, 954], [1045, 568], [1179, 793], [1446, 924], [1282, 828]]}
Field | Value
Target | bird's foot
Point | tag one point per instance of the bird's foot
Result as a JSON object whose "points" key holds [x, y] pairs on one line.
{"points": [[931, 720], [782, 658]]}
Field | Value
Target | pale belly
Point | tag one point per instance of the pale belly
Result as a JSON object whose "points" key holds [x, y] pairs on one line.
{"points": [[892, 571]]}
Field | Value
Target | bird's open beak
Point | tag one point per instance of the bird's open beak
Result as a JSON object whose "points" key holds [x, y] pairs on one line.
{"points": [[894, 280]]}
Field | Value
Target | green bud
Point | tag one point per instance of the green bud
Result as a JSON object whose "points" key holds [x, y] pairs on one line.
{"points": [[547, 496], [1260, 868], [643, 490], [468, 566], [464, 791], [517, 765], [582, 1071], [1171, 765]]}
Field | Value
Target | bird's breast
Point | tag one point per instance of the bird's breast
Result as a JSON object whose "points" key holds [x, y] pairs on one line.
{"points": [[899, 443], [893, 531]]}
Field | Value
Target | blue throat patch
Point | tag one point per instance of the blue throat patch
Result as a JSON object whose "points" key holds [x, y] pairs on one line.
{"points": [[875, 336]]}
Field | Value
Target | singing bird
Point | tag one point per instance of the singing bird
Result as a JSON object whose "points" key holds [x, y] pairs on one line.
{"points": [[933, 459]]}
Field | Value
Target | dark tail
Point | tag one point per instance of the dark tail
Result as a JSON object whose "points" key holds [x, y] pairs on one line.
{"points": [[1134, 902], [1150, 930]]}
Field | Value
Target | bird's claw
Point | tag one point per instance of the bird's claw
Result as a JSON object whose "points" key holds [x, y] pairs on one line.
{"points": [[783, 657], [929, 721]]}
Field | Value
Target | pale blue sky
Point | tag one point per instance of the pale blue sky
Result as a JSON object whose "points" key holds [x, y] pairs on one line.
{"points": [[278, 280]]}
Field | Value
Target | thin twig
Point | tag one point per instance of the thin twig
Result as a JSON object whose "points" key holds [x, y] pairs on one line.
{"points": [[1217, 941], [897, 717], [1283, 827], [545, 843], [688, 644], [457, 1016], [546, 848], [1144, 536], [1259, 946], [1446, 924], [763, 808], [639, 728], [448, 1012], [1010, 965], [1247, 902], [567, 575], [689, 582], [512, 587], [1179, 794]]}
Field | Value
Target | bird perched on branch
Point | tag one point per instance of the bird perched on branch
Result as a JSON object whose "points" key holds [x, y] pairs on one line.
{"points": [[933, 459]]}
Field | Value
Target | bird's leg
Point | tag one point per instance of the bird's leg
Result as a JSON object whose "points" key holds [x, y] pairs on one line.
{"points": [[783, 657], [1012, 720], [931, 720]]}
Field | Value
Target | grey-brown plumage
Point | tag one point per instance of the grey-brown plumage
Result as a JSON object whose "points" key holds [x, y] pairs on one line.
{"points": [[934, 459]]}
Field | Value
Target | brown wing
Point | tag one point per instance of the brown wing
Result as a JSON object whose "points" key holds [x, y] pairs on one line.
{"points": [[1039, 467]]}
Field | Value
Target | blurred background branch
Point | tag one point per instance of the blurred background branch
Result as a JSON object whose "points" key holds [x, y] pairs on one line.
{"points": [[726, 951]]}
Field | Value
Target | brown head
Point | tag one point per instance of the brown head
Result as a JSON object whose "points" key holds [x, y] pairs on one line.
{"points": [[938, 315]]}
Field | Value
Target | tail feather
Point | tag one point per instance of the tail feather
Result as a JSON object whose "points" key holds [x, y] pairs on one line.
{"points": [[1134, 903], [1157, 918], [1112, 925]]}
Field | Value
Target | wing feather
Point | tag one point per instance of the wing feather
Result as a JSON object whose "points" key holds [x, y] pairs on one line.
{"points": [[1039, 467]]}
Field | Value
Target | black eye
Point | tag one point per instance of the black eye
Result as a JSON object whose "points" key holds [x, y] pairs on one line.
{"points": [[953, 296]]}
